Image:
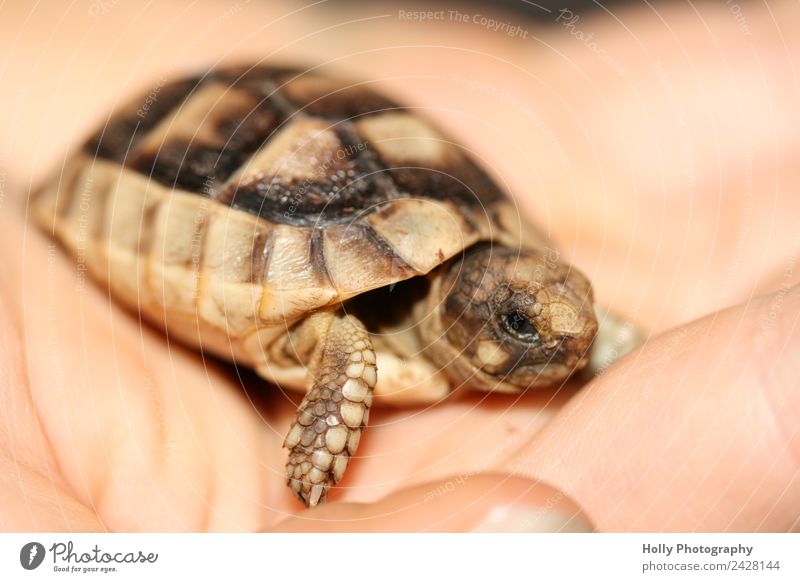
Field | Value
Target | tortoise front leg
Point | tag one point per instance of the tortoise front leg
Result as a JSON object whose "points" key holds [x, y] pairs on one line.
{"points": [[329, 421]]}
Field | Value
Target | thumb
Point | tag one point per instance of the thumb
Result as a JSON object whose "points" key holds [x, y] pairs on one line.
{"points": [[475, 503], [696, 430]]}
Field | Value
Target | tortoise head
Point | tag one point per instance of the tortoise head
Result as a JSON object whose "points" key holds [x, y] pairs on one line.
{"points": [[513, 319]]}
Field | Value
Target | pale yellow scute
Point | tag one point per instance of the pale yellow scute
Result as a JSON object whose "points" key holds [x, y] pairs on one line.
{"points": [[175, 250], [232, 275], [423, 232], [56, 193], [294, 284], [81, 212], [304, 150], [311, 87], [356, 262], [196, 120], [130, 216], [405, 139]]}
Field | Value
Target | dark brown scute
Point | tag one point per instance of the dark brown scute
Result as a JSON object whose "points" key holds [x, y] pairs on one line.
{"points": [[460, 179], [259, 78], [188, 166], [367, 160], [126, 128], [262, 83], [308, 202], [336, 194], [463, 184], [332, 98], [200, 165], [308, 91]]}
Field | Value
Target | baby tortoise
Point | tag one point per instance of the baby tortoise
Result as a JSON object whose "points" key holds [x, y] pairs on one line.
{"points": [[325, 236]]}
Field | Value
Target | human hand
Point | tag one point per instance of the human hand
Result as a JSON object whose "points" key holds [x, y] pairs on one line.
{"points": [[109, 425]]}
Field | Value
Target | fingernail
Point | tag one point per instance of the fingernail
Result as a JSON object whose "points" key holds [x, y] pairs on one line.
{"points": [[533, 520]]}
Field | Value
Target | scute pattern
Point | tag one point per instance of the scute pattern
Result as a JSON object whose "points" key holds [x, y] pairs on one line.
{"points": [[423, 162], [117, 138], [242, 200], [206, 139], [308, 174], [356, 147], [332, 98]]}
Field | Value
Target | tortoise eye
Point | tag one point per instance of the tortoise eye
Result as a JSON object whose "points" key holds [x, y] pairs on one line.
{"points": [[519, 326]]}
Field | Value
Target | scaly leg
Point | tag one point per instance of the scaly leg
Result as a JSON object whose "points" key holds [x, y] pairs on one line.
{"points": [[333, 413]]}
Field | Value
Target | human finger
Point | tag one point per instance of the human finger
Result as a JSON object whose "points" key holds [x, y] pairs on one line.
{"points": [[697, 430], [480, 503]]}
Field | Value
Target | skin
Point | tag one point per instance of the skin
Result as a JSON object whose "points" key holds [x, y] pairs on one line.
{"points": [[695, 431], [505, 320]]}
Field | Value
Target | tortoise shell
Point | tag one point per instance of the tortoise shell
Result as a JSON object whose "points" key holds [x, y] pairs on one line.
{"points": [[240, 200]]}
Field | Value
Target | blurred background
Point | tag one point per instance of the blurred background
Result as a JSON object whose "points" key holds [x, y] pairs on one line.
{"points": [[656, 143]]}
